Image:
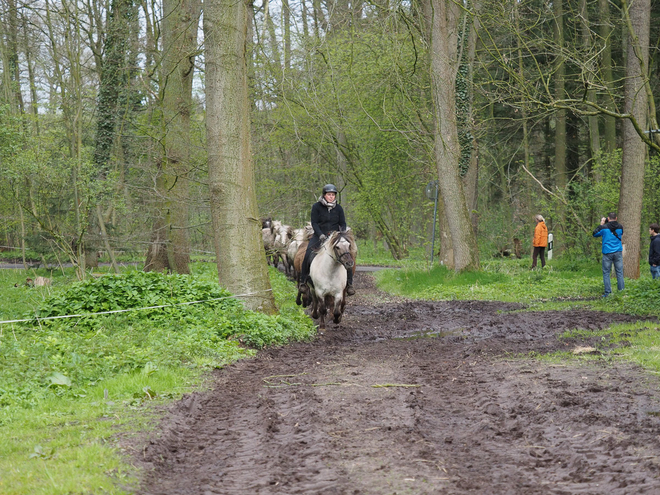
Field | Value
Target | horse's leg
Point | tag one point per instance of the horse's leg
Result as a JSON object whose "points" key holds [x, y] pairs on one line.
{"points": [[323, 311], [303, 297], [307, 296], [338, 309], [332, 304], [315, 305]]}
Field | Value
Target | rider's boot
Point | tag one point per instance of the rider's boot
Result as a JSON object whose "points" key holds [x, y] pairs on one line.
{"points": [[349, 283]]}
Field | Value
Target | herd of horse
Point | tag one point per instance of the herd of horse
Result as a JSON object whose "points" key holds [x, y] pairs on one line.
{"points": [[325, 288]]}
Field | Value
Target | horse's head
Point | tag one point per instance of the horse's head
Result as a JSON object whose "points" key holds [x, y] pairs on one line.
{"points": [[342, 247], [283, 233]]}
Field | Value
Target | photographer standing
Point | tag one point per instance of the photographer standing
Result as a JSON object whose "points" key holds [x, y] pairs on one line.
{"points": [[654, 250], [611, 231], [540, 241]]}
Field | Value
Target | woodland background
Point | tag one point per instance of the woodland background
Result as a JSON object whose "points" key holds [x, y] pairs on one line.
{"points": [[103, 132]]}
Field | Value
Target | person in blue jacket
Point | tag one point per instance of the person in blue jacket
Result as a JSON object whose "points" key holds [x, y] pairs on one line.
{"points": [[327, 216], [611, 231], [654, 250]]}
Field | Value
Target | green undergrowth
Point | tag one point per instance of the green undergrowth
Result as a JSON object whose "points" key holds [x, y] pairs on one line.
{"points": [[637, 342], [559, 285], [377, 255], [69, 386]]}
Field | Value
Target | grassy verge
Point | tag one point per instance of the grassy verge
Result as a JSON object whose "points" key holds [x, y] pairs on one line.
{"points": [[376, 255], [69, 387], [635, 342], [558, 286]]}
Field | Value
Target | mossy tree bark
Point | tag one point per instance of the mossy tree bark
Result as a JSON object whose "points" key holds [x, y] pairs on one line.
{"points": [[443, 24], [638, 14], [170, 241], [242, 267]]}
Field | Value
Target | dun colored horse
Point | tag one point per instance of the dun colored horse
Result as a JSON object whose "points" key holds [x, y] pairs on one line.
{"points": [[328, 276]]}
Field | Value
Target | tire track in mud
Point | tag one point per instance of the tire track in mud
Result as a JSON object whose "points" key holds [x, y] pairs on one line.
{"points": [[373, 406]]}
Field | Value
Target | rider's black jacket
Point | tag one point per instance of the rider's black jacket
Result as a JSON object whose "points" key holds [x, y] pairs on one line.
{"points": [[326, 222]]}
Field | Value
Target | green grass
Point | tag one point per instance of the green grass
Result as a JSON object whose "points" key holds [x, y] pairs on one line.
{"points": [[642, 343], [70, 446], [69, 387], [633, 342], [68, 391], [560, 284], [501, 280], [377, 255]]}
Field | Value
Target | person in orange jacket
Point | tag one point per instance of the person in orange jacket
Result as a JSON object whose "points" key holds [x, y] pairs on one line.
{"points": [[540, 241]]}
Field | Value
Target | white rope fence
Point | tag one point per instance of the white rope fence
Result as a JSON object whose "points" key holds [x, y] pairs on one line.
{"points": [[248, 294]]}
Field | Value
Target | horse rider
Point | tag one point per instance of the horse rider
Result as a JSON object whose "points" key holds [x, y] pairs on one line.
{"points": [[327, 217]]}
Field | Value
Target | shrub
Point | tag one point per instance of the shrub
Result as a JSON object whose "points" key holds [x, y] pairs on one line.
{"points": [[66, 356], [642, 298], [136, 290]]}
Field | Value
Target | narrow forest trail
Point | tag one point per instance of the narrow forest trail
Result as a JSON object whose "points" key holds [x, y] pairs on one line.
{"points": [[374, 407]]}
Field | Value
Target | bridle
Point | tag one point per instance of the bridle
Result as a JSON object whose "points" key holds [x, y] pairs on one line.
{"points": [[347, 253], [339, 258]]}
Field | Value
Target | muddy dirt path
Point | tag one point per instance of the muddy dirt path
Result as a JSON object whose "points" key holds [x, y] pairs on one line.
{"points": [[416, 398]]}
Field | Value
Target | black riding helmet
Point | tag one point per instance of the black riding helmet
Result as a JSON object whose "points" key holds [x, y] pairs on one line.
{"points": [[329, 188]]}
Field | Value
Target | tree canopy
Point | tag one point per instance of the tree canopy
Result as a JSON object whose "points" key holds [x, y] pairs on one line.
{"points": [[103, 122]]}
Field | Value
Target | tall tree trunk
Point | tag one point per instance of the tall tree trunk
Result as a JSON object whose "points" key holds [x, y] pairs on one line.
{"points": [[637, 14], [320, 22], [106, 242], [112, 80], [22, 220], [286, 28], [606, 64], [524, 118], [114, 71], [242, 267], [560, 94], [272, 35], [67, 90], [342, 167], [594, 134], [170, 231], [471, 177], [304, 20], [443, 20], [11, 61], [34, 104]]}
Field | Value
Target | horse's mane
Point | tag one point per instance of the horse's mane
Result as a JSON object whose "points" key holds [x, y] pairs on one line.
{"points": [[348, 235], [309, 231]]}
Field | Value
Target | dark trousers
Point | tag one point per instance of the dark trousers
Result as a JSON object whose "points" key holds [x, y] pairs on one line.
{"points": [[314, 244], [538, 250]]}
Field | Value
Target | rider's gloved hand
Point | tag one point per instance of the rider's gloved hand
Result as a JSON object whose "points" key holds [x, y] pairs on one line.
{"points": [[323, 237]]}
